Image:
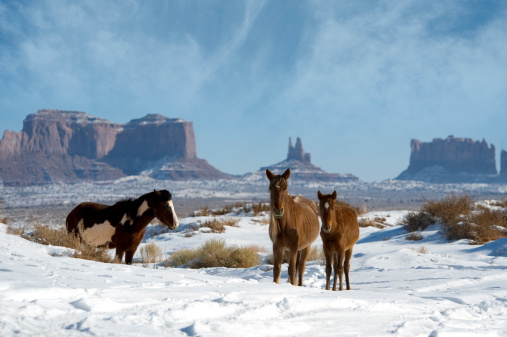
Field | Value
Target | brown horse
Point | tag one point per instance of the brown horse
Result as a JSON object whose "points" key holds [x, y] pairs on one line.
{"points": [[339, 233], [293, 226], [123, 224]]}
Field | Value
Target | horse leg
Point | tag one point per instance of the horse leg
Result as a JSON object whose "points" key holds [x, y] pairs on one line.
{"points": [[301, 263], [119, 254], [277, 262], [129, 256], [293, 253], [348, 255], [338, 269], [329, 268]]}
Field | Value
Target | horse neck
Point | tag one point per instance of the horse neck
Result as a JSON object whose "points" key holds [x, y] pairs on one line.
{"points": [[142, 214]]}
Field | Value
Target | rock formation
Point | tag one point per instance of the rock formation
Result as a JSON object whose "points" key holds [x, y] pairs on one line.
{"points": [[503, 166], [69, 146], [451, 160], [303, 170]]}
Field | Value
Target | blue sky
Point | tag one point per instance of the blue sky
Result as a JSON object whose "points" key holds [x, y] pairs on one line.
{"points": [[356, 80]]}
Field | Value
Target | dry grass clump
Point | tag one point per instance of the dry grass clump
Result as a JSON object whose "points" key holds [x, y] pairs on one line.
{"points": [[151, 253], [46, 235], [15, 230], [461, 218], [4, 220], [376, 222], [417, 221], [215, 253], [414, 236], [422, 250], [217, 225]]}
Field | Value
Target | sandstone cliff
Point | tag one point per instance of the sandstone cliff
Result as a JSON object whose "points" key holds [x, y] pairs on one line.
{"points": [[451, 160], [503, 166], [302, 169], [68, 146]]}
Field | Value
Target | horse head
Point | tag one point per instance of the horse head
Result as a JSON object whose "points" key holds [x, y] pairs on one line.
{"points": [[278, 190], [327, 210], [162, 205]]}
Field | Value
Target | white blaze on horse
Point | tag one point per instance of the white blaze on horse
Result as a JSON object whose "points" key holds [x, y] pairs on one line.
{"points": [[122, 225]]}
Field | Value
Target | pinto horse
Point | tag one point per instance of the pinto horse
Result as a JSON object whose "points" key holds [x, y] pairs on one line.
{"points": [[293, 227], [122, 225], [340, 231]]}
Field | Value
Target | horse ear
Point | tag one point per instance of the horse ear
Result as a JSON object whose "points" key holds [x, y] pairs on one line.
{"points": [[334, 195], [319, 195], [286, 174], [269, 174]]}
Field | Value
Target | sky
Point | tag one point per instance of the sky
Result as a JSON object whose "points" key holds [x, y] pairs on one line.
{"points": [[356, 81]]}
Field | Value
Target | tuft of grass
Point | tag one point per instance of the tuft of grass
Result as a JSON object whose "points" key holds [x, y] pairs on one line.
{"points": [[217, 225], [422, 250], [46, 235], [4, 220], [15, 230], [414, 236], [260, 207], [215, 253], [365, 222], [151, 253]]}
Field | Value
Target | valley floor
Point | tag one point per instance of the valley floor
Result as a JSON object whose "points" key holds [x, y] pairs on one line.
{"points": [[400, 288]]}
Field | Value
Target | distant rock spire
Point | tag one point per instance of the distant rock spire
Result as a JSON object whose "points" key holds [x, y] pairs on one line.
{"points": [[297, 153]]}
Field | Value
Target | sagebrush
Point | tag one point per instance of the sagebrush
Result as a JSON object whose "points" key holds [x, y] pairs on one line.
{"points": [[460, 218], [46, 235], [215, 253]]}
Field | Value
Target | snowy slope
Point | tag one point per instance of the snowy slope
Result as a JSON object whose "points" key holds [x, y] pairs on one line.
{"points": [[455, 289]]}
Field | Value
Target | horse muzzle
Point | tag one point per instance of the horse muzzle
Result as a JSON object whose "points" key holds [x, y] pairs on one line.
{"points": [[326, 229], [278, 212]]}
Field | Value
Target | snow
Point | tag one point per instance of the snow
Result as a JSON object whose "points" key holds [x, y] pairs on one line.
{"points": [[454, 289]]}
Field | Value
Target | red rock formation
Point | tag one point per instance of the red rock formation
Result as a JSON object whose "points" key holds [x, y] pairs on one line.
{"points": [[303, 170], [503, 166], [68, 146], [455, 158]]}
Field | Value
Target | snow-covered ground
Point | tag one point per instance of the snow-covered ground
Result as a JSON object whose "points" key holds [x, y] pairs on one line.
{"points": [[453, 289]]}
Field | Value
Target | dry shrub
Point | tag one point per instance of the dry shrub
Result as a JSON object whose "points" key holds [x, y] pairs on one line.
{"points": [[261, 221], [217, 225], [460, 218], [215, 253], [151, 253], [46, 235], [4, 220], [414, 236], [417, 221], [15, 230], [260, 207], [365, 222], [488, 225], [451, 209], [422, 250], [222, 211], [181, 257]]}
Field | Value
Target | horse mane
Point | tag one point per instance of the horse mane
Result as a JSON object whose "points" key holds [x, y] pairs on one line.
{"points": [[131, 205]]}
